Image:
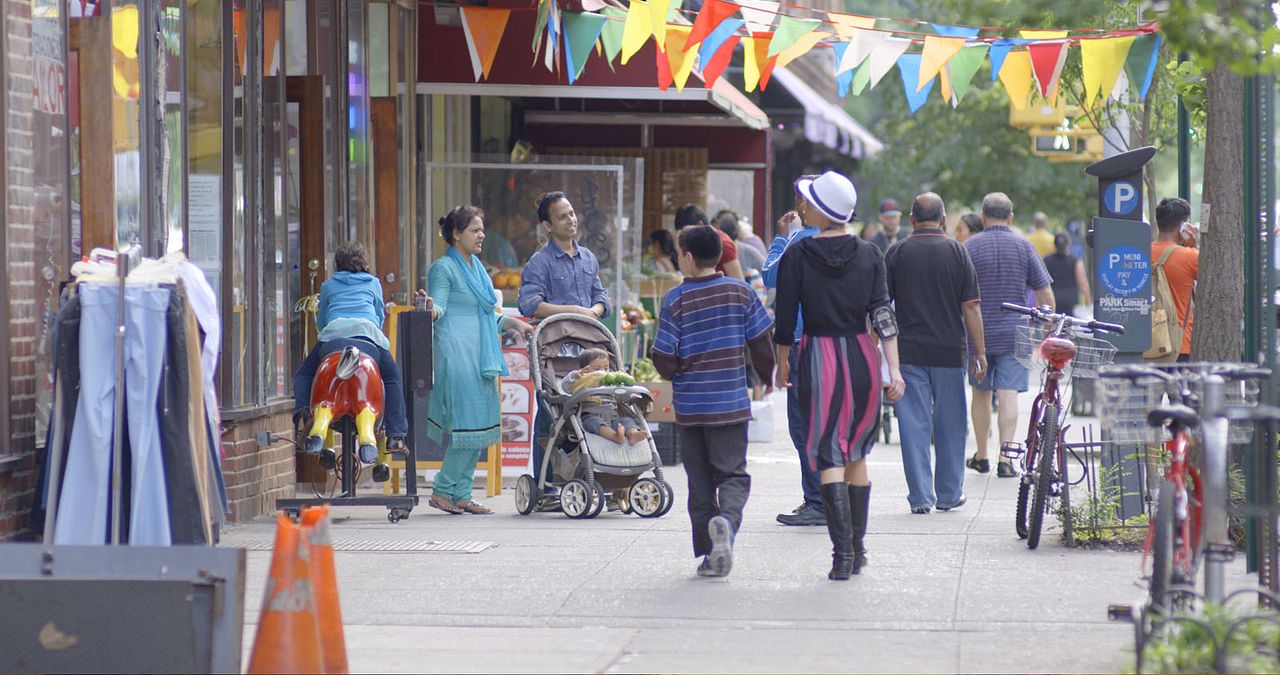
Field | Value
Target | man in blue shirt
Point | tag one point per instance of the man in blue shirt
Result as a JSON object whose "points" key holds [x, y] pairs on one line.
{"points": [[810, 512], [560, 277]]}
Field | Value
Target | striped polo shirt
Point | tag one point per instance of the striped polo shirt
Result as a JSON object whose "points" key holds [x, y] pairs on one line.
{"points": [[1007, 266], [706, 326]]}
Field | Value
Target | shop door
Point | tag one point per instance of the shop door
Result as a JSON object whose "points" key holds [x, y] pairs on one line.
{"points": [[304, 113], [386, 196], [89, 64]]}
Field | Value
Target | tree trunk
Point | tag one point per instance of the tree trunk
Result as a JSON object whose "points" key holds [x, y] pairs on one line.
{"points": [[1219, 297]]}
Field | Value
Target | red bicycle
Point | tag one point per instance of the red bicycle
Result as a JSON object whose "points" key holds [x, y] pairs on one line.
{"points": [[1056, 342]]}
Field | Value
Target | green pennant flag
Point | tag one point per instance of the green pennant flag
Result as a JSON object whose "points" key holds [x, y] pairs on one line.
{"points": [[1140, 64], [581, 29], [861, 78], [541, 26], [963, 66], [789, 30], [611, 35]]}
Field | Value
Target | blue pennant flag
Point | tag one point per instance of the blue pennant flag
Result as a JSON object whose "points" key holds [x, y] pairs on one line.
{"points": [[955, 31], [843, 80], [909, 68], [716, 39], [999, 50]]}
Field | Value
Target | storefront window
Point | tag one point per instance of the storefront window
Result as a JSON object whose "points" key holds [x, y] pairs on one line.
{"points": [[52, 249], [126, 132], [277, 230], [205, 198], [359, 174], [173, 145], [732, 189]]}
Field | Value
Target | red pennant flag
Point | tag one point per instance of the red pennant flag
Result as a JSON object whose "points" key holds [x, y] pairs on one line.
{"points": [[665, 78], [712, 70], [712, 14], [1047, 59]]}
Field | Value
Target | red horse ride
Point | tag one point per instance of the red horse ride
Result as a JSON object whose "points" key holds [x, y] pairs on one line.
{"points": [[348, 384]]}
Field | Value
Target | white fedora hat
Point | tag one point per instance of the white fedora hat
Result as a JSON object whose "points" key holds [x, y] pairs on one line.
{"points": [[832, 193]]}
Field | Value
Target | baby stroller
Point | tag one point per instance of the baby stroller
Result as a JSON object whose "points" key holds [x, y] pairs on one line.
{"points": [[591, 471]]}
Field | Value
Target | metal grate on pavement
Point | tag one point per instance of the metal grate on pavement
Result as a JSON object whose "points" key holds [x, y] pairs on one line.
{"points": [[266, 543]]}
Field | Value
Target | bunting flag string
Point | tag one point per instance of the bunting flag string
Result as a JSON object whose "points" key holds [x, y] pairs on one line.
{"points": [[637, 29], [711, 17], [581, 30], [483, 27], [1015, 75], [713, 66], [937, 51], [962, 67], [909, 68], [1101, 61]]}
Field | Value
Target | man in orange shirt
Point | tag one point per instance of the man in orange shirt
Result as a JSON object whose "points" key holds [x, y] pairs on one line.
{"points": [[1184, 263]]}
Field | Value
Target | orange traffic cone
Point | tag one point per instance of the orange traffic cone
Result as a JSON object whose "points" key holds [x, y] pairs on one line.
{"points": [[288, 640], [324, 579]]}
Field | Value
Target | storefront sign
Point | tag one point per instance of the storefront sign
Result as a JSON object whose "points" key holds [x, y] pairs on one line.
{"points": [[518, 405], [49, 73]]}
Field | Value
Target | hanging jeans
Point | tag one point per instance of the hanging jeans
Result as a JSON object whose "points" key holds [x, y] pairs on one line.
{"points": [[186, 517], [85, 495]]}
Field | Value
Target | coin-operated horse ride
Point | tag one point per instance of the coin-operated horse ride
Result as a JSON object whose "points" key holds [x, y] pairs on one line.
{"points": [[347, 399]]}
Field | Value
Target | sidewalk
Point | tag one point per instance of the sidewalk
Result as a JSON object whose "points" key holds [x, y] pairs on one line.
{"points": [[946, 592]]}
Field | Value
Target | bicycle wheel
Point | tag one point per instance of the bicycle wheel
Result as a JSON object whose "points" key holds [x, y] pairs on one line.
{"points": [[1043, 474], [1020, 518], [1162, 547]]}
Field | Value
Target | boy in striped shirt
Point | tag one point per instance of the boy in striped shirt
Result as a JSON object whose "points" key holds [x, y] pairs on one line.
{"points": [[707, 325]]}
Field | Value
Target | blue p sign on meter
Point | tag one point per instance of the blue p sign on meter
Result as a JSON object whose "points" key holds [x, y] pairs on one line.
{"points": [[1121, 198]]}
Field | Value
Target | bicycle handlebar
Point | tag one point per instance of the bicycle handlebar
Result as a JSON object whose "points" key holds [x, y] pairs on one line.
{"points": [[1042, 314], [1229, 371]]}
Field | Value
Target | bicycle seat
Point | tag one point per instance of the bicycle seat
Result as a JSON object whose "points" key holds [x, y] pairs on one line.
{"points": [[1173, 413]]}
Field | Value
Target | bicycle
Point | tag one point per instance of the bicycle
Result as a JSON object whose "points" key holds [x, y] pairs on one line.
{"points": [[1141, 403], [1057, 341]]}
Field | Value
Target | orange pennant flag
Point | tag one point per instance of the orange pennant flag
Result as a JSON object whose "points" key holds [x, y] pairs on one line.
{"points": [[757, 65], [712, 14], [484, 27], [937, 51]]}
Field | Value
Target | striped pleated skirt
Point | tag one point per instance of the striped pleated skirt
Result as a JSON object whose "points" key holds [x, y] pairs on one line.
{"points": [[839, 389]]}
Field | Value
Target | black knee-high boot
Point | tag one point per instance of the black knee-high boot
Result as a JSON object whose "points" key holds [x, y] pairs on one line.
{"points": [[859, 501], [835, 501]]}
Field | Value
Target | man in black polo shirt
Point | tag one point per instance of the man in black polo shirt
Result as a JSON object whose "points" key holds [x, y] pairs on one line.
{"points": [[935, 292]]}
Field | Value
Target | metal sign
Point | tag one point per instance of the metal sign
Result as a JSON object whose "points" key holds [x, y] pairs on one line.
{"points": [[1122, 278], [1121, 198]]}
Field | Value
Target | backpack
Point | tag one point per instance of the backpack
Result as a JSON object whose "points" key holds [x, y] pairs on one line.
{"points": [[1166, 332]]}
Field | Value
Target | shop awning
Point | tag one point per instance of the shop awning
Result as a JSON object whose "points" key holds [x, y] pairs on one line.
{"points": [[826, 122]]}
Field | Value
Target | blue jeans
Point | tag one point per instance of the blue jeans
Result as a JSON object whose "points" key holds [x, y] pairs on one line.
{"points": [[798, 425], [395, 420], [933, 407]]}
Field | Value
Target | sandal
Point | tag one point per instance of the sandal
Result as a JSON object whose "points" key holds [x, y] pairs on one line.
{"points": [[979, 465], [444, 504], [473, 507]]}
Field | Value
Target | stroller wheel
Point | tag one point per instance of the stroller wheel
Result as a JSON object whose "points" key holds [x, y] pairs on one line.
{"points": [[525, 501], [648, 498], [601, 499], [577, 499], [670, 498]]}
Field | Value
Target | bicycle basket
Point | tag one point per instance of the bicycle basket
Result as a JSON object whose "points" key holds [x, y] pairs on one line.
{"points": [[1124, 407], [1091, 353]]}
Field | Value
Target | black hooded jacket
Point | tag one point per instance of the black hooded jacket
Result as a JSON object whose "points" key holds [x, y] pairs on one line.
{"points": [[835, 281]]}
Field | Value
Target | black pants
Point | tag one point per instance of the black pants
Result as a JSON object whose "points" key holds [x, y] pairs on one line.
{"points": [[715, 460]]}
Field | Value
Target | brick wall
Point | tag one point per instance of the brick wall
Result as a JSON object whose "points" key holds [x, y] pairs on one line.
{"points": [[256, 477], [18, 478]]}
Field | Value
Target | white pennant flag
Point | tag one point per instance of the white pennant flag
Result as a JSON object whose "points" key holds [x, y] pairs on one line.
{"points": [[861, 44], [760, 15], [884, 56]]}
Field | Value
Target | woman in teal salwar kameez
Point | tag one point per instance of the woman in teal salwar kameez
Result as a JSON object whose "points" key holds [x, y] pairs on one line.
{"points": [[463, 413]]}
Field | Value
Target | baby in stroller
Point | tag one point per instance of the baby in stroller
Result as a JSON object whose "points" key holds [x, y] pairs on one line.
{"points": [[600, 415]]}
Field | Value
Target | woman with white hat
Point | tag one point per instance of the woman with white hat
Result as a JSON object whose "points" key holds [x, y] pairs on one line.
{"points": [[837, 281]]}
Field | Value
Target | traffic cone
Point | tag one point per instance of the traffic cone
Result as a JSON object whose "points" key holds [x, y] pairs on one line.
{"points": [[288, 640], [324, 579]]}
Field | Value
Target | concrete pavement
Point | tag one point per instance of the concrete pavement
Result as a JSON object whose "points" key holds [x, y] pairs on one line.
{"points": [[945, 592]]}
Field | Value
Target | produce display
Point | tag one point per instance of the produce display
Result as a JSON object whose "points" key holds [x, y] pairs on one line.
{"points": [[644, 371], [617, 379], [633, 315], [505, 278]]}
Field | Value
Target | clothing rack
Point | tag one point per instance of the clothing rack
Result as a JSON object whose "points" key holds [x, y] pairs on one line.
{"points": [[164, 448]]}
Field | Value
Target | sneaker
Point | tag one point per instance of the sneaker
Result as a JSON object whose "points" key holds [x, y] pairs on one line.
{"points": [[979, 465], [806, 514], [1006, 470], [721, 556], [704, 567], [920, 510], [956, 505]]}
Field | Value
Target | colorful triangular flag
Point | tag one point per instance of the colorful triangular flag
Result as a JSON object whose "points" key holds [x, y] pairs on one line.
{"points": [[909, 68], [1101, 62], [955, 31], [884, 56], [847, 24], [801, 47], [789, 31], [1140, 65], [680, 58], [611, 35], [757, 65], [759, 15], [845, 79], [581, 30], [999, 50], [1047, 59], [637, 29], [658, 12], [711, 45], [713, 66], [861, 78], [861, 44], [937, 51], [963, 66], [712, 14], [483, 27], [1016, 77]]}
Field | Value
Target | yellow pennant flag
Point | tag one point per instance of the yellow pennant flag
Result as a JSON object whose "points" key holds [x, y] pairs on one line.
{"points": [[944, 83], [1016, 77], [636, 31], [1102, 60], [800, 47], [847, 24], [680, 58], [658, 10], [1042, 34], [937, 51]]}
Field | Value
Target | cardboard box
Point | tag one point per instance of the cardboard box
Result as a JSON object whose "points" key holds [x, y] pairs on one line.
{"points": [[661, 393]]}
